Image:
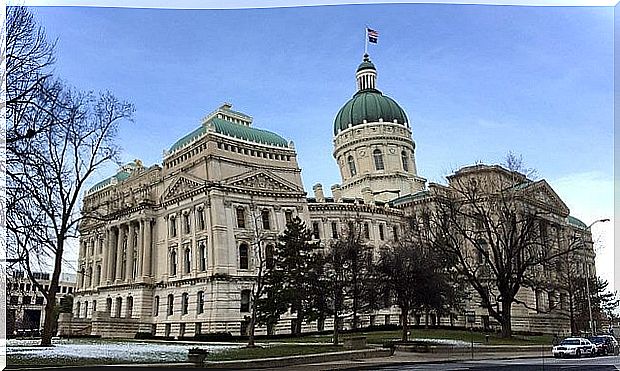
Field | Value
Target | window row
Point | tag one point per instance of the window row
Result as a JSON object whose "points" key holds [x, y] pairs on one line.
{"points": [[244, 256], [170, 304], [186, 156], [265, 218], [26, 287], [253, 152], [26, 300], [187, 261], [335, 233], [186, 222], [379, 164]]}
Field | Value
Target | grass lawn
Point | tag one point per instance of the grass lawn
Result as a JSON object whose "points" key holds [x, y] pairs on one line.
{"points": [[271, 351], [379, 337]]}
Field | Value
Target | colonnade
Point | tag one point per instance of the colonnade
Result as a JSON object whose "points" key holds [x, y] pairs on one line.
{"points": [[129, 251]]}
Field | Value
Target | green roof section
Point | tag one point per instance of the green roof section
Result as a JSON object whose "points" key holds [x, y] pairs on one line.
{"points": [[225, 121], [410, 197], [370, 105], [366, 64], [576, 222], [248, 133], [120, 176], [189, 137]]}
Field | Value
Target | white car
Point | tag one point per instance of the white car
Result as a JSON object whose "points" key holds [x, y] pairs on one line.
{"points": [[574, 347]]}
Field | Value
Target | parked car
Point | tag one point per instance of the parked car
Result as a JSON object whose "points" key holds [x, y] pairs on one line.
{"points": [[601, 345], [611, 344], [574, 347]]}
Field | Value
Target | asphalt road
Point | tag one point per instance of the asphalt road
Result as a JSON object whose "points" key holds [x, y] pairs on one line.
{"points": [[529, 364]]}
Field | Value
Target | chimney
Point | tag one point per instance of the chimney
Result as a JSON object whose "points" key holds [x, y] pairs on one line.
{"points": [[318, 192], [336, 193]]}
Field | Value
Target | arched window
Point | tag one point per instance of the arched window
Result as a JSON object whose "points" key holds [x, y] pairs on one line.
{"points": [[266, 221], [352, 168], [200, 216], [269, 256], [245, 301], [129, 310], [170, 304], [184, 303], [405, 159], [203, 256], [94, 306], [173, 263], [378, 157], [200, 306], [108, 306], [187, 260], [243, 256], [156, 306]]}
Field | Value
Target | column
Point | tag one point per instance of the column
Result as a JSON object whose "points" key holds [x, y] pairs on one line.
{"points": [[129, 257], [119, 252], [111, 254], [148, 241], [140, 248]]}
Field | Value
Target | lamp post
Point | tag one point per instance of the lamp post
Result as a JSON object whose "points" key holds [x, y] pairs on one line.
{"points": [[587, 274]]}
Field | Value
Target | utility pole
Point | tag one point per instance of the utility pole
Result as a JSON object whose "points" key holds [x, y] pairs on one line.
{"points": [[587, 274]]}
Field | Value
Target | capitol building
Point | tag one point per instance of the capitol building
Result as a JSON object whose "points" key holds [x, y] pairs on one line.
{"points": [[170, 253]]}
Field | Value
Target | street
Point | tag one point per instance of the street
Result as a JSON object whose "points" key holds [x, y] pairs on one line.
{"points": [[547, 364]]}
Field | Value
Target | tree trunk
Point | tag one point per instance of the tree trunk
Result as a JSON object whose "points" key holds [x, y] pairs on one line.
{"points": [[298, 323], [573, 327], [48, 324], [336, 329], [506, 319], [404, 312], [426, 318]]}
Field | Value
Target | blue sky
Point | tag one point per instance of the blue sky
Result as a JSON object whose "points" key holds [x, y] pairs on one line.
{"points": [[475, 80]]}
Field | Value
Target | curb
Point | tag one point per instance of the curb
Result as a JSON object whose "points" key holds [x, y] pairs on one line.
{"points": [[298, 360]]}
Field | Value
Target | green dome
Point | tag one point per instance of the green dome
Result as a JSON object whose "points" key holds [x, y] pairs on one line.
{"points": [[369, 105]]}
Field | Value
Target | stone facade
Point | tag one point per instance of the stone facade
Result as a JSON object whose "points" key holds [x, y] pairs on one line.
{"points": [[172, 249]]}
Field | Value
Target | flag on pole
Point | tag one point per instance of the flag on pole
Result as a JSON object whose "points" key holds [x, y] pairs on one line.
{"points": [[372, 35]]}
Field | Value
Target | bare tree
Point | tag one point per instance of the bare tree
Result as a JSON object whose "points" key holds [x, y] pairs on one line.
{"points": [[416, 276], [500, 235], [47, 178]]}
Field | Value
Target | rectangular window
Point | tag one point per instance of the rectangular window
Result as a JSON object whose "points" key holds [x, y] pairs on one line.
{"points": [[288, 216], [381, 232], [366, 231], [197, 328], [395, 232], [201, 219], [167, 328], [182, 329], [26, 299], [334, 230], [39, 300], [315, 230], [186, 223], [245, 301], [266, 221], [240, 217]]}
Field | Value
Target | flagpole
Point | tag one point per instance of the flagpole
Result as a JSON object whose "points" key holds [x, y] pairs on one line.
{"points": [[365, 40]]}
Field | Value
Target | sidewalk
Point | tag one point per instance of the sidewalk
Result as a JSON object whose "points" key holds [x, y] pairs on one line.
{"points": [[412, 358]]}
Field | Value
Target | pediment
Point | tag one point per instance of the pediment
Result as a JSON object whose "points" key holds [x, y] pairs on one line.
{"points": [[262, 180], [543, 194], [183, 184]]}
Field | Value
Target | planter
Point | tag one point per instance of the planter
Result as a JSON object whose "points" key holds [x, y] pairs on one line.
{"points": [[197, 355]]}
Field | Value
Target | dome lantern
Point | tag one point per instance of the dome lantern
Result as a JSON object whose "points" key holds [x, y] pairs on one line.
{"points": [[366, 74]]}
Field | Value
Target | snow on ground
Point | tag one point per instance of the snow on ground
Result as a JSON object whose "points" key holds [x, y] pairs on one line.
{"points": [[122, 351], [449, 342]]}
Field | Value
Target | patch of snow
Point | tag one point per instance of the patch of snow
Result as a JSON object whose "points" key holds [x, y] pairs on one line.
{"points": [[121, 351], [449, 342]]}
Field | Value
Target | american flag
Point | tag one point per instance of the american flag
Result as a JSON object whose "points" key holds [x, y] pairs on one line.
{"points": [[372, 35]]}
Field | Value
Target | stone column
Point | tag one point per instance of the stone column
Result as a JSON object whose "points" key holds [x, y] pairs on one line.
{"points": [[148, 242], [111, 254], [129, 257], [119, 252], [140, 248]]}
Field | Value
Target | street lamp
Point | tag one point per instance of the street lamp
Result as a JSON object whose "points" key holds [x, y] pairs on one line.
{"points": [[587, 271]]}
